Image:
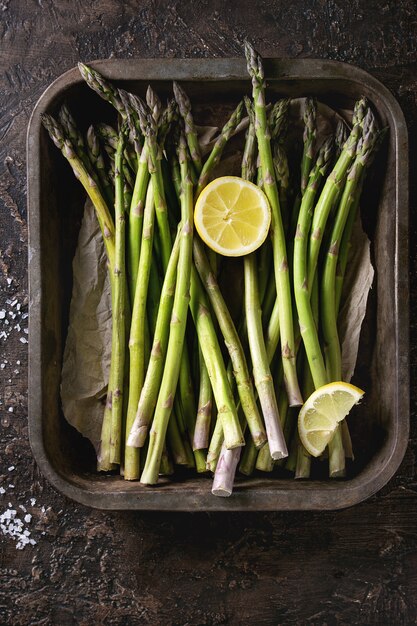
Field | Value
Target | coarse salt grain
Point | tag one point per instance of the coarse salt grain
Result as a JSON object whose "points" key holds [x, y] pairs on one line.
{"points": [[10, 409], [13, 527], [2, 314], [23, 340], [2, 490], [11, 468]]}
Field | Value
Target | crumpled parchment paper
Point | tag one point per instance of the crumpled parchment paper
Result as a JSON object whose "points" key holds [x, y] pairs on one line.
{"points": [[87, 351]]}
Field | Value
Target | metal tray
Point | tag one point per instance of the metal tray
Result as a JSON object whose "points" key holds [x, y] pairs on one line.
{"points": [[381, 423]]}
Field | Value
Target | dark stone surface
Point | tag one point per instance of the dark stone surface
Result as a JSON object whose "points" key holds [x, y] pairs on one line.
{"points": [[348, 567]]}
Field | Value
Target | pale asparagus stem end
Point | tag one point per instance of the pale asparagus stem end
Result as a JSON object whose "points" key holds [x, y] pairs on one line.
{"points": [[276, 440], [202, 427], [225, 472]]}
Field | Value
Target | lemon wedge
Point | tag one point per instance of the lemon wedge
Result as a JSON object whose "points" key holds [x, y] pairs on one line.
{"points": [[322, 412], [232, 216]]}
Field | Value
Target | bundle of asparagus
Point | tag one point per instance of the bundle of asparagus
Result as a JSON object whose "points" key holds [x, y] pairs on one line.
{"points": [[180, 390]]}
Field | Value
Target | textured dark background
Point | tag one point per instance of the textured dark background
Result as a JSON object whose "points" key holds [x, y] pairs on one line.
{"points": [[357, 566]]}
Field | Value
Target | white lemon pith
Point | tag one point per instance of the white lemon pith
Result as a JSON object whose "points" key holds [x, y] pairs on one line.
{"points": [[232, 216], [321, 413]]}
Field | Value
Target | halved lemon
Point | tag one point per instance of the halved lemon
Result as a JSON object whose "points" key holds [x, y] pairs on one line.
{"points": [[322, 412], [232, 216]]}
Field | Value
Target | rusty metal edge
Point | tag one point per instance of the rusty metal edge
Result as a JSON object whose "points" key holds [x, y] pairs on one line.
{"points": [[286, 497]]}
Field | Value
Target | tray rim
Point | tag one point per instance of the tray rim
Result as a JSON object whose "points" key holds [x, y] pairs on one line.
{"points": [[346, 493]]}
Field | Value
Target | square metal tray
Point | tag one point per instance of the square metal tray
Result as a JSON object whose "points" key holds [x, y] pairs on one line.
{"points": [[55, 201]]}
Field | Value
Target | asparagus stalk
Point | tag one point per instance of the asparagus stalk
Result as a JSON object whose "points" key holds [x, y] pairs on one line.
{"points": [[301, 285], [249, 171], [118, 309], [233, 344], [184, 106], [107, 227], [168, 117], [278, 119], [189, 410], [328, 297], [205, 403], [97, 161], [261, 370], [217, 150], [333, 356], [331, 189], [185, 435], [255, 69], [104, 218], [75, 136], [282, 174], [309, 137], [264, 461], [108, 136], [215, 365], [216, 443], [249, 456], [176, 443], [102, 87], [250, 150], [138, 196], [154, 103], [341, 136], [224, 476], [149, 129], [347, 233], [149, 393], [225, 464], [138, 334], [177, 330]]}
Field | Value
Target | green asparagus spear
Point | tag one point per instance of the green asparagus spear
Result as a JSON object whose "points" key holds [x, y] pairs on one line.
{"points": [[309, 138], [137, 333], [103, 87], [217, 150], [104, 218], [184, 105], [233, 344], [177, 330], [256, 71], [301, 285], [118, 309]]}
